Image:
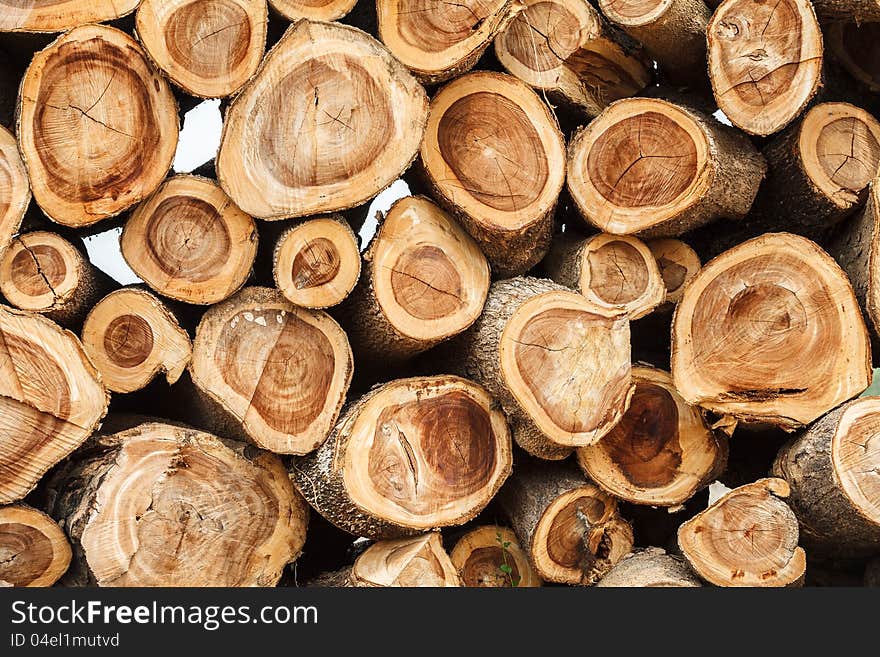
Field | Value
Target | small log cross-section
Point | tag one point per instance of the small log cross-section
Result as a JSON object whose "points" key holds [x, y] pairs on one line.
{"points": [[616, 272], [94, 85], [270, 371], [566, 48], [765, 61], [651, 567], [405, 562], [833, 469], [494, 155], [33, 549], [424, 280], [160, 505], [558, 365], [650, 167], [857, 47], [439, 40], [678, 264], [770, 332], [45, 273], [411, 455], [209, 48], [316, 263], [15, 190], [661, 452], [189, 241], [50, 399], [747, 538], [491, 557], [59, 15], [315, 10], [572, 528], [330, 119], [131, 336]]}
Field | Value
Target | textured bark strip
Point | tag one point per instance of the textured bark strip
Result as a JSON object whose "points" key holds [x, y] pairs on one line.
{"points": [[647, 166], [833, 469], [131, 336], [410, 456], [747, 538], [208, 48], [15, 190], [770, 332], [33, 550], [566, 48], [651, 567], [330, 119], [857, 47], [161, 505], [405, 562], [59, 15], [501, 183], [678, 264], [765, 61], [440, 40], [315, 10], [94, 85], [491, 557], [270, 371]]}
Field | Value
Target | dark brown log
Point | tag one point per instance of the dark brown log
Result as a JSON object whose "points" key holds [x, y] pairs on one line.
{"points": [[857, 47], [33, 550], [491, 557], [651, 567], [858, 11]]}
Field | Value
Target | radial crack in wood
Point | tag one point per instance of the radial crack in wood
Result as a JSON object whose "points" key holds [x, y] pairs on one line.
{"points": [[33, 549], [491, 557]]}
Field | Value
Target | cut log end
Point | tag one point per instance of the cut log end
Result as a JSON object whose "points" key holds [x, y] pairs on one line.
{"points": [[59, 15], [315, 10], [33, 549], [491, 557], [747, 538], [678, 264], [650, 568], [15, 190], [408, 562], [855, 457]]}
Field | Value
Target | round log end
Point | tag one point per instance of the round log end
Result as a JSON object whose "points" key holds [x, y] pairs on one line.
{"points": [[653, 568], [15, 188], [41, 271], [678, 264], [491, 557], [855, 457], [408, 562], [34, 551], [315, 10], [59, 15]]}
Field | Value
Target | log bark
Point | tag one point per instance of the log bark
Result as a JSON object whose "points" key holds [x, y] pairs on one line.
{"points": [[770, 332], [615, 272], [765, 61], [34, 551], [559, 367], [747, 538], [649, 167], [832, 470], [43, 272], [92, 85], [15, 190], [424, 281], [270, 371], [317, 263], [567, 49], [59, 15], [405, 562], [651, 567], [314, 10], [501, 185], [410, 456], [320, 129], [131, 336], [441, 40], [672, 31], [208, 49], [150, 506], [491, 557], [572, 528], [857, 47], [857, 11], [678, 264], [189, 241], [51, 399], [661, 452]]}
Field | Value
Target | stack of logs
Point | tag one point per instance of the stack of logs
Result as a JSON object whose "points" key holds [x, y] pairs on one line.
{"points": [[637, 257]]}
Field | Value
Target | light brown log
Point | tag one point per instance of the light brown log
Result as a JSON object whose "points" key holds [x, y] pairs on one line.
{"points": [[770, 332], [650, 167], [678, 264], [832, 468], [491, 557], [330, 119], [747, 538], [558, 365], [410, 456], [315, 10], [661, 452], [424, 280], [209, 48], [94, 85], [317, 263], [59, 15], [672, 31], [857, 11], [33, 549], [15, 190], [45, 273], [572, 528], [405, 562], [51, 399], [190, 242], [566, 48], [651, 567], [857, 47], [270, 371], [441, 40], [765, 61], [615, 272], [131, 336], [161, 505], [501, 184]]}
